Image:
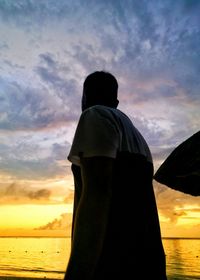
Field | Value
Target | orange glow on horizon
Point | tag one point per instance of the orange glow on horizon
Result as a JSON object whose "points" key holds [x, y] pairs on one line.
{"points": [[22, 215], [28, 219]]}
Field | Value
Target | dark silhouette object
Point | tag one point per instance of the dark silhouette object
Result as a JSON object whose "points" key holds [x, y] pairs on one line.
{"points": [[181, 169], [115, 231]]}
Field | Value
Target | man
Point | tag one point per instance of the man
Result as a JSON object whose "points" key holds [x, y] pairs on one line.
{"points": [[115, 231]]}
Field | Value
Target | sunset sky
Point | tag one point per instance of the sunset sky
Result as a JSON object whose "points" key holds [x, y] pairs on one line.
{"points": [[47, 48]]}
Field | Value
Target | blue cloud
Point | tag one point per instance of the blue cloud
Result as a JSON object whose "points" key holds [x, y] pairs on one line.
{"points": [[26, 160], [31, 108], [140, 42]]}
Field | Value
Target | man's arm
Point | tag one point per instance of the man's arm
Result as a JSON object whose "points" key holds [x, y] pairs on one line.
{"points": [[91, 217]]}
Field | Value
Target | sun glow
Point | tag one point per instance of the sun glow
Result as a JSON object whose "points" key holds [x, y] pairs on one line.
{"points": [[30, 216]]}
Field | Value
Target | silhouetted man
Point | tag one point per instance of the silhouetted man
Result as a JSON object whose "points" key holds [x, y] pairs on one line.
{"points": [[116, 230]]}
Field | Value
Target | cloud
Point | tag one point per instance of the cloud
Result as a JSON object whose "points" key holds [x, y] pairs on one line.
{"points": [[3, 46], [49, 72], [175, 205], [69, 198], [61, 223], [17, 193], [31, 108], [22, 12], [28, 160], [13, 191], [59, 77], [48, 48], [44, 191]]}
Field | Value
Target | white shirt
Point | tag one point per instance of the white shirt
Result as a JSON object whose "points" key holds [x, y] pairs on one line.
{"points": [[105, 131]]}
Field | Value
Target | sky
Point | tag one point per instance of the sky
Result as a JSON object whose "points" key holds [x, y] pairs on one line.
{"points": [[47, 49]]}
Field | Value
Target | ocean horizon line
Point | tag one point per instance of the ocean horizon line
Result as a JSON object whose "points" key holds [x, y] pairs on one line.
{"points": [[33, 236], [176, 237], [47, 236]]}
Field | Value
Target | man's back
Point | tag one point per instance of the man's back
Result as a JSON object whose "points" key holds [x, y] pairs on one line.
{"points": [[132, 244], [105, 131]]}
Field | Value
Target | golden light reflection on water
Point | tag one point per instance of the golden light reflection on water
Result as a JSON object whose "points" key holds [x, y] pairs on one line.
{"points": [[183, 258], [34, 257], [48, 257]]}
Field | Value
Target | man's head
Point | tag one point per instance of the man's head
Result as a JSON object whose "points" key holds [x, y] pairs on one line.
{"points": [[100, 88]]}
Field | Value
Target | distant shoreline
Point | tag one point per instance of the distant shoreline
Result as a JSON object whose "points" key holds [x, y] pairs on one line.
{"points": [[181, 238], [10, 236], [25, 278], [21, 236]]}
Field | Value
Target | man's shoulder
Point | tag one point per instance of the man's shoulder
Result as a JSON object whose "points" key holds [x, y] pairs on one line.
{"points": [[100, 110]]}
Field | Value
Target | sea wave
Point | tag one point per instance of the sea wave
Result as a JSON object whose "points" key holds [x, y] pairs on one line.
{"points": [[33, 270]]}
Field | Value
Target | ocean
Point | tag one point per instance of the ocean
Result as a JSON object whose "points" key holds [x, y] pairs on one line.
{"points": [[48, 257], [182, 258]]}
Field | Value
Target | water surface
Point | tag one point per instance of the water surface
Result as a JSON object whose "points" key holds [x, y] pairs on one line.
{"points": [[48, 257]]}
